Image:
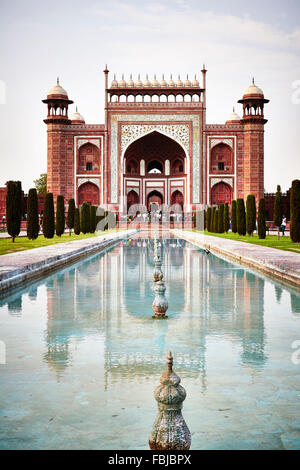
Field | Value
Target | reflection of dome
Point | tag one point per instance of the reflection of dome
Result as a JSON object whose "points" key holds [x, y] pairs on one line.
{"points": [[57, 90]]}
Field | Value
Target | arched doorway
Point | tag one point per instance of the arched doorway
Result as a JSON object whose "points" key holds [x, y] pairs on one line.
{"points": [[177, 198], [88, 192], [154, 201], [132, 198], [221, 159], [221, 193]]}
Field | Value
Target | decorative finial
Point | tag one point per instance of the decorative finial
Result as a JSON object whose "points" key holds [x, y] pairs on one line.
{"points": [[139, 77], [146, 76], [187, 76], [170, 431], [233, 109], [163, 77], [170, 361], [131, 76], [76, 110], [179, 76], [122, 76], [253, 80], [171, 76], [114, 76], [57, 80]]}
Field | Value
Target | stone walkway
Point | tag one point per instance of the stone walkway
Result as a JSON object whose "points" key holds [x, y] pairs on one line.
{"points": [[15, 268], [283, 265]]}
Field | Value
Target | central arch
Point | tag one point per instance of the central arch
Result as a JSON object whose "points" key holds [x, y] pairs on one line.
{"points": [[155, 160]]}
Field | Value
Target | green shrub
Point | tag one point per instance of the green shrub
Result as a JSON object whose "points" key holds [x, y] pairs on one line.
{"points": [[216, 221], [295, 211], [221, 219], [60, 216], [93, 219], [250, 214], [261, 221], [208, 219], [278, 209], [48, 216], [32, 215], [240, 217], [226, 217], [13, 208], [71, 215], [85, 218], [233, 217], [76, 221], [212, 222]]}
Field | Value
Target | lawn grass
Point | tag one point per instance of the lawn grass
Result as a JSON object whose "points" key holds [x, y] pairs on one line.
{"points": [[23, 243], [284, 243]]}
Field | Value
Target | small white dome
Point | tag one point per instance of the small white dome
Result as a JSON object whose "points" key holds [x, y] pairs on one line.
{"points": [[163, 81], [171, 82], [77, 116], [122, 82], [179, 82], [130, 82], [155, 82], [187, 81], [195, 82], [139, 82], [253, 90], [233, 116], [147, 82], [57, 90], [114, 83]]}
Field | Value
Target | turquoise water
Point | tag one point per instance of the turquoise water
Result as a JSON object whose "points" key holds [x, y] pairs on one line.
{"points": [[83, 354]]}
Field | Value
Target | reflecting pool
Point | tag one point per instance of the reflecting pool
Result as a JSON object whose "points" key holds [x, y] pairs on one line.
{"points": [[83, 354]]}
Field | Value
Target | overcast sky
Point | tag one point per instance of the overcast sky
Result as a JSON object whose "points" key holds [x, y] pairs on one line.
{"points": [[74, 40]]}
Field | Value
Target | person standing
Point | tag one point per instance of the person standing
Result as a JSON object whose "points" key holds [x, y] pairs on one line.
{"points": [[283, 225]]}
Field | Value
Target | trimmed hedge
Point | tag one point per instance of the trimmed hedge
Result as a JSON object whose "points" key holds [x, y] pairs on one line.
{"points": [[250, 214], [261, 220], [48, 216], [71, 215], [226, 217], [13, 208], [240, 216], [76, 221], [233, 216], [60, 216], [32, 215], [295, 211], [85, 218]]}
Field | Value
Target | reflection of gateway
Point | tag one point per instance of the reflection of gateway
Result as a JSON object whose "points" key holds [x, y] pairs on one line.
{"points": [[155, 139]]}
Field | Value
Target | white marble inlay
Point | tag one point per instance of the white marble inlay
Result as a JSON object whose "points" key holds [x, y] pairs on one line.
{"points": [[214, 181], [215, 142], [86, 141], [81, 181], [178, 134]]}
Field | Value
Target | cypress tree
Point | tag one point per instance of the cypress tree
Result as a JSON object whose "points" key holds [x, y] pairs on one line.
{"points": [[212, 222], [278, 209], [295, 211], [93, 219], [60, 216], [13, 208], [204, 219], [71, 214], [233, 217], [85, 218], [208, 219], [216, 221], [251, 214], [261, 221], [226, 217], [32, 215], [76, 221], [48, 216], [240, 216], [221, 219]]}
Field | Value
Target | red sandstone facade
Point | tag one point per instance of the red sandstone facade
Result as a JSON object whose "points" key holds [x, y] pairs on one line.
{"points": [[155, 146]]}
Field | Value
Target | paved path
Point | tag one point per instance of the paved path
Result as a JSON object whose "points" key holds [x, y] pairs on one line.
{"points": [[284, 265], [15, 268]]}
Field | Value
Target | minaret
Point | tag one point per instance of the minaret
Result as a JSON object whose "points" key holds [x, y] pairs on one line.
{"points": [[253, 157], [57, 119]]}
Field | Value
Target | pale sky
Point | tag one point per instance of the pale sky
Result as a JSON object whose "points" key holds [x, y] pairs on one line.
{"points": [[74, 40]]}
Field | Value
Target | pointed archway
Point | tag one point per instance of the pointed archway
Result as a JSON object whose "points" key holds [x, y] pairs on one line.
{"points": [[154, 201]]}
